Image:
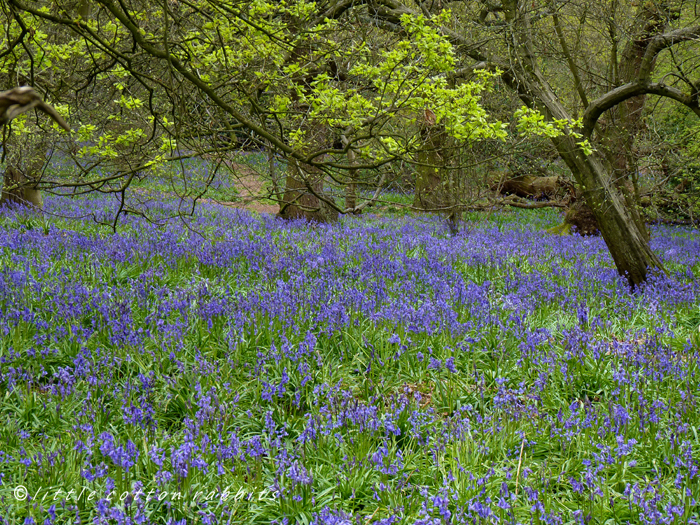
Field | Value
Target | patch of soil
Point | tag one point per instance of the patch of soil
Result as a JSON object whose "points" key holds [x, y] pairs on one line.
{"points": [[251, 188], [254, 206]]}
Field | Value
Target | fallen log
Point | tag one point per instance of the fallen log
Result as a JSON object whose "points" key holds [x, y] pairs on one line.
{"points": [[529, 186]]}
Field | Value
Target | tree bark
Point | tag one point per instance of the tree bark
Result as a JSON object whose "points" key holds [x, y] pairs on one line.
{"points": [[628, 245], [436, 188], [351, 187], [304, 185], [25, 165], [430, 186], [626, 118]]}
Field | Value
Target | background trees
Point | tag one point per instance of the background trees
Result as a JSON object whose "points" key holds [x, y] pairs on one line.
{"points": [[349, 93], [598, 155]]}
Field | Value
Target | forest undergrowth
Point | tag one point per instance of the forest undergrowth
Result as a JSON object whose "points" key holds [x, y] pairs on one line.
{"points": [[236, 368]]}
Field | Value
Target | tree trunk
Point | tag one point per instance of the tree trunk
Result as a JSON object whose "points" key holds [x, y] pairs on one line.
{"points": [[25, 164], [25, 161], [304, 184], [351, 194], [436, 188], [304, 196], [430, 181], [17, 189], [351, 187], [580, 217], [628, 245], [626, 118]]}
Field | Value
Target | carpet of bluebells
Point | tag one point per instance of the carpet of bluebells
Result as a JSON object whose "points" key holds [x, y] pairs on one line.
{"points": [[234, 368]]}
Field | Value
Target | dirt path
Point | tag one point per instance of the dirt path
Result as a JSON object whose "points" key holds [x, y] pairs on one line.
{"points": [[250, 186], [251, 189]]}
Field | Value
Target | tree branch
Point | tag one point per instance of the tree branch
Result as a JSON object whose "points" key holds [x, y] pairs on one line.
{"points": [[664, 41], [633, 89], [570, 60]]}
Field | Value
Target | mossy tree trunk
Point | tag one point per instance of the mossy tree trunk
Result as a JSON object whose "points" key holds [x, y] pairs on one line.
{"points": [[17, 189], [304, 194], [626, 120], [435, 189], [628, 244], [351, 187]]}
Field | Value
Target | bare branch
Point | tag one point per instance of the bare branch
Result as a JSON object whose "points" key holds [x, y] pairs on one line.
{"points": [[20, 100], [633, 89], [664, 41]]}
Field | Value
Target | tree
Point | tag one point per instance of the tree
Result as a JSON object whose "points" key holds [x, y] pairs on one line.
{"points": [[504, 34], [297, 76], [301, 77], [12, 104]]}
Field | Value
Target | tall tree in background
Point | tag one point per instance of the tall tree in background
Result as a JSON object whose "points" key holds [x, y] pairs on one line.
{"points": [[513, 36]]}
